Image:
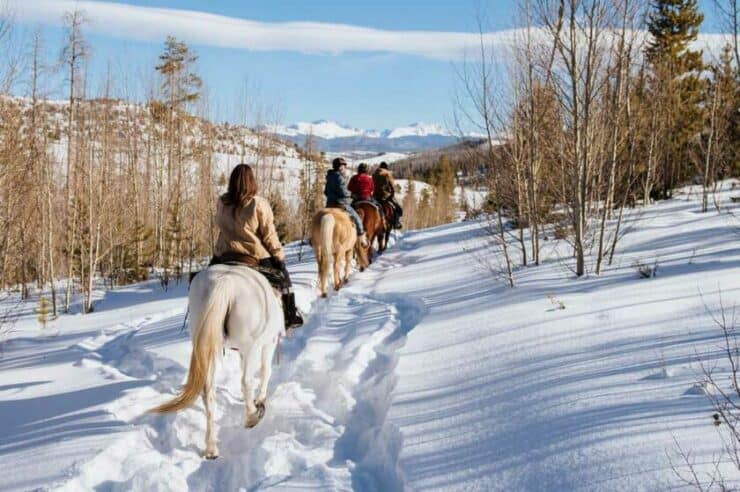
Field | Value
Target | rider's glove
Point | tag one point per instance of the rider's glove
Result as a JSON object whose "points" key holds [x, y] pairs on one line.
{"points": [[277, 264]]}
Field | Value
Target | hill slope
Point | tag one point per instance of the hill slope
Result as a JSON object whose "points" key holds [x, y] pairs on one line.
{"points": [[424, 373]]}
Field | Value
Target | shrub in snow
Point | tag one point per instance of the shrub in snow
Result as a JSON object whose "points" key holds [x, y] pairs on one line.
{"points": [[556, 302], [43, 311], [644, 270]]}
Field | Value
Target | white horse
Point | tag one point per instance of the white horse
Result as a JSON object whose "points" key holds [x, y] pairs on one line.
{"points": [[232, 307]]}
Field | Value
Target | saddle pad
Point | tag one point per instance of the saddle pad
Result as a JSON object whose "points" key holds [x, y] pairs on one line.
{"points": [[359, 202]]}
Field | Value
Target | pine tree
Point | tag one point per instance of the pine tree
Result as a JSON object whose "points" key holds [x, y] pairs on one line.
{"points": [[410, 205], [43, 311], [443, 180], [726, 82], [674, 25]]}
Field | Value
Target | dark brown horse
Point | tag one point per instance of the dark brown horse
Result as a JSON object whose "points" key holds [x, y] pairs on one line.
{"points": [[389, 218], [374, 225]]}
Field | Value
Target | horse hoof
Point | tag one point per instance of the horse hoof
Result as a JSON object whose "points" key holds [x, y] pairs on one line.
{"points": [[362, 269], [324, 296], [254, 420], [211, 456]]}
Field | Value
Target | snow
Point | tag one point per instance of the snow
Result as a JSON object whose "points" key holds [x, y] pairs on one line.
{"points": [[475, 198], [418, 130], [424, 373], [331, 129], [321, 129], [387, 157]]}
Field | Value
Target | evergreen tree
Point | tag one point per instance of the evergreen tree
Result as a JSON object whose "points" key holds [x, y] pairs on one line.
{"points": [[410, 205], [180, 84], [676, 82], [443, 180], [424, 210], [726, 82], [43, 312], [282, 213]]}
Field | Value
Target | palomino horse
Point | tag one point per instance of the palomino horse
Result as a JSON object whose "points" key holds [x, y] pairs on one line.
{"points": [[232, 307], [334, 239], [374, 226], [389, 219]]}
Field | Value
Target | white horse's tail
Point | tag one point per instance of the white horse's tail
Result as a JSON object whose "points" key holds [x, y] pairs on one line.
{"points": [[208, 324], [326, 240]]}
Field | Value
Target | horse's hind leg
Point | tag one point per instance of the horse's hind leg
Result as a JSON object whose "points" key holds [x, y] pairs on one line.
{"points": [[337, 267], [347, 265], [323, 275], [268, 352], [209, 401], [251, 417]]}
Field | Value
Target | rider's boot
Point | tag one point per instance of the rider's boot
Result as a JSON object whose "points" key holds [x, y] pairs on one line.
{"points": [[293, 317]]}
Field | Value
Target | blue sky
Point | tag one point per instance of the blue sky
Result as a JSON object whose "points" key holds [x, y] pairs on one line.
{"points": [[368, 89]]}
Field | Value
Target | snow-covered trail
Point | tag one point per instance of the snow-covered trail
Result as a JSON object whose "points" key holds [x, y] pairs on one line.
{"points": [[424, 373], [326, 424]]}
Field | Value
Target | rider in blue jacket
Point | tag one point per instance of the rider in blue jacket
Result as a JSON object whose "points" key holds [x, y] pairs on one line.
{"points": [[337, 194]]}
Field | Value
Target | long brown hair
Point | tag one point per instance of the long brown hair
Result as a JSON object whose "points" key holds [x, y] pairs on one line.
{"points": [[242, 187]]}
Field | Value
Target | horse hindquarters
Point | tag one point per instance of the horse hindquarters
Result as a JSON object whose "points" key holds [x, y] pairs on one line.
{"points": [[325, 253], [209, 302]]}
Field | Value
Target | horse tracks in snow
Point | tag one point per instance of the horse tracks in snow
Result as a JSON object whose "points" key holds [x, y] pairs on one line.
{"points": [[325, 425]]}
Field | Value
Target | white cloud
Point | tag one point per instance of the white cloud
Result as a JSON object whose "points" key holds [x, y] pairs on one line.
{"points": [[153, 24]]}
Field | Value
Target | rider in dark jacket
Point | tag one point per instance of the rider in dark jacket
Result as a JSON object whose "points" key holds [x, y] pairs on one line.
{"points": [[337, 195]]}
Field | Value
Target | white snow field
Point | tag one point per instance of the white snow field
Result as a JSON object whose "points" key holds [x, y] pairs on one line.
{"points": [[424, 373]]}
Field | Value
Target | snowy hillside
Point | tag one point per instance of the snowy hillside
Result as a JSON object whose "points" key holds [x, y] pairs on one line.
{"points": [[475, 198], [425, 373]]}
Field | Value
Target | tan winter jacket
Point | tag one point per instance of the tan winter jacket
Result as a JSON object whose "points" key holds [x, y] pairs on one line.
{"points": [[252, 232], [385, 187]]}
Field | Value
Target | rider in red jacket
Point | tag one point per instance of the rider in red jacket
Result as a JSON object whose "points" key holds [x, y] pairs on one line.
{"points": [[361, 185]]}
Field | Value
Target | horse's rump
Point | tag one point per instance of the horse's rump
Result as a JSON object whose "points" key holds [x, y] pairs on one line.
{"points": [[334, 238]]}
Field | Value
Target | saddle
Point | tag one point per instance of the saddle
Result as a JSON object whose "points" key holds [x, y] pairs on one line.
{"points": [[275, 277], [369, 202]]}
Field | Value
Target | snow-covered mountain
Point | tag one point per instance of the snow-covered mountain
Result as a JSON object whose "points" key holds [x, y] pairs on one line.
{"points": [[330, 136]]}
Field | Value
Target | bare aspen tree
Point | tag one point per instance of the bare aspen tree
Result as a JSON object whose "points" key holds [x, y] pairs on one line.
{"points": [[74, 52], [616, 112], [729, 14], [478, 105], [10, 62], [181, 86], [581, 76]]}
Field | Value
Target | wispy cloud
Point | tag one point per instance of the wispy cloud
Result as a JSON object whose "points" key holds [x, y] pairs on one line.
{"points": [[153, 24]]}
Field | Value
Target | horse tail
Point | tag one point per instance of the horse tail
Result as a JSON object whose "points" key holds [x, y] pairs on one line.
{"points": [[208, 323], [326, 241]]}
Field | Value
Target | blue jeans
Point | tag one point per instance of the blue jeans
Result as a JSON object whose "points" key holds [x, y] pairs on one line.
{"points": [[352, 215]]}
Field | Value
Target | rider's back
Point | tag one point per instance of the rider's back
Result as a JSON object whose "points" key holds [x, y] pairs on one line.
{"points": [[248, 230], [336, 188], [384, 184], [362, 187]]}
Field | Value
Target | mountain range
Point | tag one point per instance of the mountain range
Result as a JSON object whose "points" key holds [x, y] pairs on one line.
{"points": [[330, 136]]}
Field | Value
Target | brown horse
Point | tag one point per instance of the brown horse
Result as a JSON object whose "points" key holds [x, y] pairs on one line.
{"points": [[334, 238], [388, 219], [374, 226]]}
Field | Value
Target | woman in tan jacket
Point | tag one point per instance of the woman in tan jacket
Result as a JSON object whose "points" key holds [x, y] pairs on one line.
{"points": [[247, 236]]}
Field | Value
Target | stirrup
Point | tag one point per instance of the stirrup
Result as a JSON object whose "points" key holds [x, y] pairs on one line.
{"points": [[295, 321]]}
